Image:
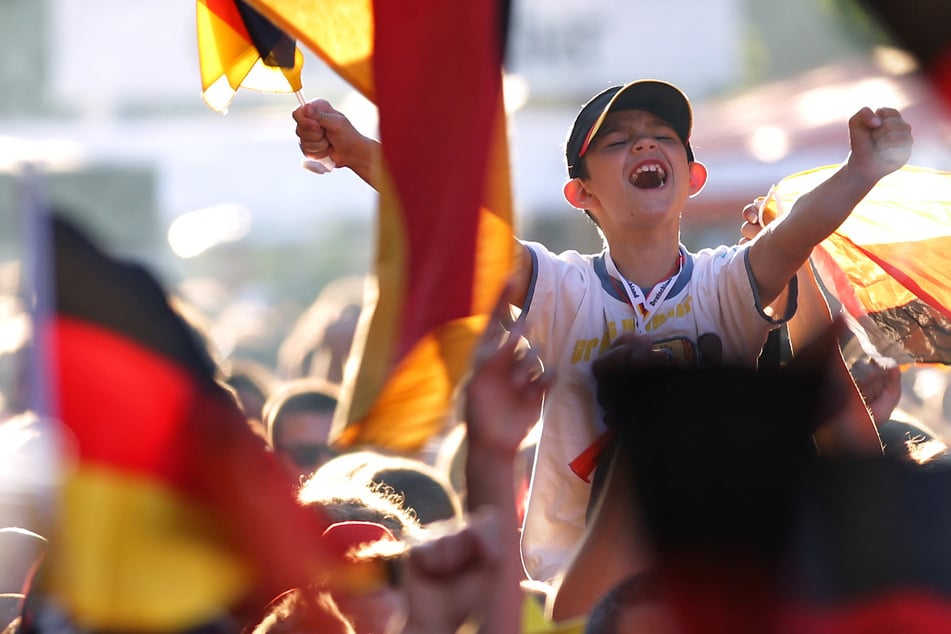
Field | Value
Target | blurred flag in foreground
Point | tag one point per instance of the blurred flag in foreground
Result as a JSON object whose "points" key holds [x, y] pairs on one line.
{"points": [[889, 264], [922, 32], [442, 257], [240, 48], [172, 513]]}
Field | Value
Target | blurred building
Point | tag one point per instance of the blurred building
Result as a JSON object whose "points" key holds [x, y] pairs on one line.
{"points": [[105, 94], [100, 87]]}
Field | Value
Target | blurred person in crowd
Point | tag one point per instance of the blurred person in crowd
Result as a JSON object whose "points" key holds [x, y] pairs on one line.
{"points": [[297, 418], [299, 611], [420, 487], [374, 609], [252, 383], [439, 584], [319, 343], [342, 498], [902, 434]]}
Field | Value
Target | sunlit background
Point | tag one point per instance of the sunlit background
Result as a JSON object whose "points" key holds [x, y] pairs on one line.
{"points": [[103, 96]]}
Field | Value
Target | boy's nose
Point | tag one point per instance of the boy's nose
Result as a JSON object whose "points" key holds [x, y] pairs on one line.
{"points": [[644, 144]]}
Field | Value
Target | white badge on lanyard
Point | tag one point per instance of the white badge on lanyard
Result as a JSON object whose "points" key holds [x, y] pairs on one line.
{"points": [[645, 306]]}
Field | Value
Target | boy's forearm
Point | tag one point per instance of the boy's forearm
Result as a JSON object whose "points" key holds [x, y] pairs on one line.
{"points": [[366, 162], [817, 214], [786, 244]]}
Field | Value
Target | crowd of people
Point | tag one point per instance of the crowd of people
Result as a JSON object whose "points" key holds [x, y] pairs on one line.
{"points": [[626, 458]]}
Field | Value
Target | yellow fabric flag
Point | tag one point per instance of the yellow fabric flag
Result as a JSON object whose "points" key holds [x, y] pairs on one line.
{"points": [[239, 48]]}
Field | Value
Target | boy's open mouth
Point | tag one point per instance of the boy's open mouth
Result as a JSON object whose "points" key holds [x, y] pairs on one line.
{"points": [[649, 176]]}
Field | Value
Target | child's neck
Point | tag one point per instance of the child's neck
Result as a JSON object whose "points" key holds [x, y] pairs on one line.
{"points": [[646, 264]]}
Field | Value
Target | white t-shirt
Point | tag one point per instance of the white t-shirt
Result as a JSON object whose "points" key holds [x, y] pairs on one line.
{"points": [[576, 306]]}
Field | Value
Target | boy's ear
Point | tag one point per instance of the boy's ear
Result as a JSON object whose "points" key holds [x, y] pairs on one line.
{"points": [[698, 177], [577, 194]]}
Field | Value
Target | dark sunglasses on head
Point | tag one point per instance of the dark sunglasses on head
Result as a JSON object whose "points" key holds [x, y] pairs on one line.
{"points": [[307, 455]]}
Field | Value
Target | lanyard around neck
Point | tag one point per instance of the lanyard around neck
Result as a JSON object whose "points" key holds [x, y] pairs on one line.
{"points": [[646, 304]]}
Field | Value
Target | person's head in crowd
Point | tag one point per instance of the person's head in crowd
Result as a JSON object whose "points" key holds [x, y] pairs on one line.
{"points": [[909, 439], [419, 488], [253, 384], [302, 610], [358, 516], [370, 609], [422, 489], [346, 465], [444, 584], [298, 419], [341, 500], [320, 341]]}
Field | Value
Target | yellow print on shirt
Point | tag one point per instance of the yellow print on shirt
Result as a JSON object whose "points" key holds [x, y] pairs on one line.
{"points": [[584, 349]]}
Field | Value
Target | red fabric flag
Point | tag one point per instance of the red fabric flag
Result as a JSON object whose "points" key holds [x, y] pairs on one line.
{"points": [[173, 511], [442, 257], [240, 48], [889, 264]]}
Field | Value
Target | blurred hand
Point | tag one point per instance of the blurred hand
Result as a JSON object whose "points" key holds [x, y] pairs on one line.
{"points": [[504, 393], [751, 220], [628, 351], [880, 387], [452, 579]]}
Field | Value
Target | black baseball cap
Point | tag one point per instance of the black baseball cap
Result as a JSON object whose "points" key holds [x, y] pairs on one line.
{"points": [[659, 97]]}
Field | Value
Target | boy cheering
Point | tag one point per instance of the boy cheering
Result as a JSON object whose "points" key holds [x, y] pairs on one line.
{"points": [[631, 169]]}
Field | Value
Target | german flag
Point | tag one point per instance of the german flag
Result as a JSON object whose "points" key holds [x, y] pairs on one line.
{"points": [[889, 263], [240, 48], [445, 245], [172, 512]]}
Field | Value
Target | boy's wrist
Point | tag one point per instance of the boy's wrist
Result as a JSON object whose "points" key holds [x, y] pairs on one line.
{"points": [[858, 180]]}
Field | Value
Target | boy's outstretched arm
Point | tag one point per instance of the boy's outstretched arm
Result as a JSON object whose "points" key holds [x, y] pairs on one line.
{"points": [[324, 132], [880, 143]]}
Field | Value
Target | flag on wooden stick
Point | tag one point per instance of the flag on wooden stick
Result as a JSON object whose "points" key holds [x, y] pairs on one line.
{"points": [[240, 48]]}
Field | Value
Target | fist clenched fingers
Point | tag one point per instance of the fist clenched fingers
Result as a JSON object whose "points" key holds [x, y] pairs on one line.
{"points": [[314, 147]]}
